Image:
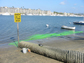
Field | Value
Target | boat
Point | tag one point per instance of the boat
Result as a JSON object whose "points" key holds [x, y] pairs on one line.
{"points": [[67, 27], [80, 22]]}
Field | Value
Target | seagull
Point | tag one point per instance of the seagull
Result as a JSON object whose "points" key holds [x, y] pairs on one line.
{"points": [[47, 25]]}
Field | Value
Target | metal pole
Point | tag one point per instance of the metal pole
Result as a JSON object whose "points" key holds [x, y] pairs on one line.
{"points": [[18, 31]]}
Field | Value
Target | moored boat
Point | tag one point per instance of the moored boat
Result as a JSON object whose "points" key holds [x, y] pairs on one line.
{"points": [[67, 27], [80, 22]]}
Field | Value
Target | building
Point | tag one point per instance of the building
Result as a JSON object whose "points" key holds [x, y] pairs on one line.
{"points": [[12, 10]]}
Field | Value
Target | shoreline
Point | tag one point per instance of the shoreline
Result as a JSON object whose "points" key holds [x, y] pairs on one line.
{"points": [[14, 54], [44, 15], [69, 38]]}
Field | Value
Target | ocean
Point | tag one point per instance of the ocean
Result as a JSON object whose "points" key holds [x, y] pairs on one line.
{"points": [[31, 25]]}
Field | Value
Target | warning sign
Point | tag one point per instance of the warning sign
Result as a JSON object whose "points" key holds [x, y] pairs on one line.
{"points": [[17, 17]]}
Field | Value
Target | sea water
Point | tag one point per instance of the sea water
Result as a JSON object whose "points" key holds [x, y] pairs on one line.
{"points": [[31, 25]]}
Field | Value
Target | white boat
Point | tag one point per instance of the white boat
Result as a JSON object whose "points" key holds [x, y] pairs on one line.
{"points": [[80, 22], [66, 27]]}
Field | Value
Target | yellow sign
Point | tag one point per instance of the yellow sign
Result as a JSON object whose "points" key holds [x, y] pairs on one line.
{"points": [[17, 17]]}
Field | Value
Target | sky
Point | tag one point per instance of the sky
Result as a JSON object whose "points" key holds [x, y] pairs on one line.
{"points": [[69, 6]]}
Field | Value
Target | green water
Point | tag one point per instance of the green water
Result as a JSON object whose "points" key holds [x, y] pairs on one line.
{"points": [[43, 36]]}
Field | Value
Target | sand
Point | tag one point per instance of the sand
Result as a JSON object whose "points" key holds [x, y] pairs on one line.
{"points": [[13, 54]]}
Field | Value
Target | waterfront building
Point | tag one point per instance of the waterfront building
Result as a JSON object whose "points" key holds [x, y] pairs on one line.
{"points": [[25, 11]]}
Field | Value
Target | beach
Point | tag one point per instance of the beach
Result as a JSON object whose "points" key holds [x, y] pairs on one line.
{"points": [[13, 54]]}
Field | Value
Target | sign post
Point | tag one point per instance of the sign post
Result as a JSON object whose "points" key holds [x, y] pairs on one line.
{"points": [[17, 19]]}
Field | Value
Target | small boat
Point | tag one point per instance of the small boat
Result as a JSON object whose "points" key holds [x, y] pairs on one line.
{"points": [[80, 22], [66, 27]]}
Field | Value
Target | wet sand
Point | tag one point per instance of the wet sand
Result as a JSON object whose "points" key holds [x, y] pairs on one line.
{"points": [[76, 44]]}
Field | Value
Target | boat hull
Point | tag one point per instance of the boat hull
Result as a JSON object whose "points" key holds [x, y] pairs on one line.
{"points": [[78, 23], [69, 28]]}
